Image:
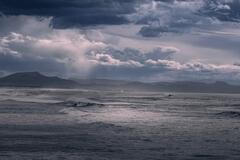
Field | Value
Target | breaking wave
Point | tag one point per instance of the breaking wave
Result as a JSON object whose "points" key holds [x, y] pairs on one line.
{"points": [[81, 103]]}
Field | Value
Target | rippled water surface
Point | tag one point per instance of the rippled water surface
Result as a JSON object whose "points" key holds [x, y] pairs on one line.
{"points": [[80, 124]]}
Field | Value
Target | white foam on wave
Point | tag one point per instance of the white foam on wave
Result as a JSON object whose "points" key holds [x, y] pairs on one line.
{"points": [[26, 95], [113, 115]]}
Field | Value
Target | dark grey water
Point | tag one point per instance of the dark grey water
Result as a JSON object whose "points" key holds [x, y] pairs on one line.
{"points": [[73, 124]]}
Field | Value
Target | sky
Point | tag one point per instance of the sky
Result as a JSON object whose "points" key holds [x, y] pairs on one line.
{"points": [[143, 40]]}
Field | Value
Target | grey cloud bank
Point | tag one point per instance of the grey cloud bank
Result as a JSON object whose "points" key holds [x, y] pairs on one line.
{"points": [[75, 13], [172, 40]]}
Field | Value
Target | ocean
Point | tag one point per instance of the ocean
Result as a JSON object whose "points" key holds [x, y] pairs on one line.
{"points": [[58, 124]]}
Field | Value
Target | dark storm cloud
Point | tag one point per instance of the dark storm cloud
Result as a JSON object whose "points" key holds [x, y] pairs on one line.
{"points": [[180, 16], [166, 16], [77, 13], [224, 10], [151, 31], [72, 13]]}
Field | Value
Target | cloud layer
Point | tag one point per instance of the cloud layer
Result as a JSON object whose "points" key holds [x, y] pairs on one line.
{"points": [[56, 52], [168, 14], [75, 13], [122, 39]]}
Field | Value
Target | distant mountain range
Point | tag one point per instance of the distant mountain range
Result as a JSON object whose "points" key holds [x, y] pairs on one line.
{"points": [[35, 79], [38, 80], [181, 86]]}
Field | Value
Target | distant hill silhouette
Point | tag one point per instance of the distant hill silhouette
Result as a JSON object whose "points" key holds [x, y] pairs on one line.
{"points": [[184, 86], [35, 79]]}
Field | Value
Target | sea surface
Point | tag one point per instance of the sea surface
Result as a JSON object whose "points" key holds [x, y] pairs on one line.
{"points": [[58, 124]]}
